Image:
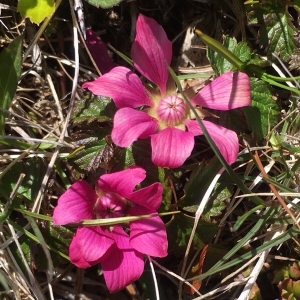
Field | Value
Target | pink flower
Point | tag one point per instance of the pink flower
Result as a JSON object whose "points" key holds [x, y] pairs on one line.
{"points": [[120, 254], [162, 114], [98, 51]]}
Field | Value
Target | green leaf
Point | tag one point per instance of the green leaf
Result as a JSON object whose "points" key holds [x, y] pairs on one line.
{"points": [[254, 120], [280, 34], [276, 31], [216, 204], [199, 182], [264, 111], [58, 239], [93, 108], [10, 65], [179, 231], [95, 150], [104, 3], [141, 151], [241, 51], [34, 169], [36, 10], [218, 61], [124, 159], [215, 208], [222, 50]]}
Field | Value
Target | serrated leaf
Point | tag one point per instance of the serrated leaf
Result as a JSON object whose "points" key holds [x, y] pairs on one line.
{"points": [[36, 10], [215, 208], [95, 150], [10, 65], [93, 109], [243, 51], [104, 3], [280, 34], [33, 168], [218, 62], [123, 159], [264, 111], [276, 31], [179, 232], [240, 50]]}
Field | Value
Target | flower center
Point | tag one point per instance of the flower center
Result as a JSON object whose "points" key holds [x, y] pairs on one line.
{"points": [[110, 205], [171, 110]]}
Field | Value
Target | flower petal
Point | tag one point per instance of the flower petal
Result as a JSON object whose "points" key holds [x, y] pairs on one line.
{"points": [[122, 182], [228, 91], [130, 125], [75, 204], [225, 139], [171, 147], [149, 197], [123, 86], [151, 51], [148, 236], [98, 51], [89, 245], [124, 265]]}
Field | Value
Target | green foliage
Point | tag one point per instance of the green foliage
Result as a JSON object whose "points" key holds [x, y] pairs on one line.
{"points": [[185, 187], [95, 148], [241, 50], [216, 207], [198, 183], [104, 3], [290, 290], [139, 154], [93, 108], [179, 231], [276, 31], [263, 113], [222, 65], [36, 10], [93, 151], [58, 239], [10, 65], [34, 169]]}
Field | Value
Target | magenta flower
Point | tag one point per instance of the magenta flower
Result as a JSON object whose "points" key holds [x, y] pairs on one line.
{"points": [[119, 253], [162, 114], [98, 51]]}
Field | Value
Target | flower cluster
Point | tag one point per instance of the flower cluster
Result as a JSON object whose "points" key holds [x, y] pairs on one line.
{"points": [[145, 110]]}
